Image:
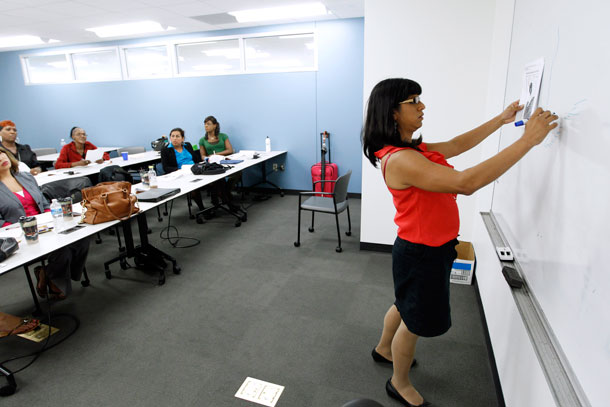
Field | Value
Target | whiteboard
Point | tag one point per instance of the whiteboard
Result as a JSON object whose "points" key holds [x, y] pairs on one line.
{"points": [[554, 205]]}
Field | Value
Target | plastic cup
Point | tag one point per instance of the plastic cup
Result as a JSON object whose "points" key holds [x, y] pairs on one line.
{"points": [[29, 225], [125, 155]]}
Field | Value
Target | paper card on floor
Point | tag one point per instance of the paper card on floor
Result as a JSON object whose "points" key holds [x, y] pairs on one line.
{"points": [[260, 392], [40, 334]]}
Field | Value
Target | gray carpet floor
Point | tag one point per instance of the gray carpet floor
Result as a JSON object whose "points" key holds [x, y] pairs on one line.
{"points": [[247, 304]]}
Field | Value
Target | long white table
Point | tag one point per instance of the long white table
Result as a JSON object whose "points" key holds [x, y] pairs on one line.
{"points": [[183, 179], [53, 157], [94, 168]]}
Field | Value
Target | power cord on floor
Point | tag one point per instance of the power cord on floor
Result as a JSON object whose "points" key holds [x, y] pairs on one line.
{"points": [[173, 240], [11, 387]]}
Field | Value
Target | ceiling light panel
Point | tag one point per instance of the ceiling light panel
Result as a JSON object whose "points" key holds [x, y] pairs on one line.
{"points": [[141, 27], [296, 11]]}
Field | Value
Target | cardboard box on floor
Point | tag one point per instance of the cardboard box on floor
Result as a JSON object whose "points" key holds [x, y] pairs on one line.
{"points": [[463, 267]]}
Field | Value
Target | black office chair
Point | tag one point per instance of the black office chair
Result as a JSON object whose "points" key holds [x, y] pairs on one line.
{"points": [[234, 210], [330, 202]]}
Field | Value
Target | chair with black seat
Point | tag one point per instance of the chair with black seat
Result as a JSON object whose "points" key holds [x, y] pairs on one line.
{"points": [[326, 202], [223, 202]]}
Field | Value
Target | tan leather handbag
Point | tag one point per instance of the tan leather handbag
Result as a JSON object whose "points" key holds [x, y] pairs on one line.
{"points": [[108, 201]]}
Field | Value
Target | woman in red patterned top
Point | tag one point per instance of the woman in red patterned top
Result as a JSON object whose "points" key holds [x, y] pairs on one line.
{"points": [[424, 187], [73, 154]]}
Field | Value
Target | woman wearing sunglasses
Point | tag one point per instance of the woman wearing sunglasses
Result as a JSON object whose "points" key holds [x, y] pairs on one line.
{"points": [[424, 187]]}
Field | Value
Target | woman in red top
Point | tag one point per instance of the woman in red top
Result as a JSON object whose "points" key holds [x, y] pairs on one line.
{"points": [[423, 187], [73, 154]]}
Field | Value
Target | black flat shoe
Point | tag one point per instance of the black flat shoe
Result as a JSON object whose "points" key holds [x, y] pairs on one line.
{"points": [[393, 393], [380, 359]]}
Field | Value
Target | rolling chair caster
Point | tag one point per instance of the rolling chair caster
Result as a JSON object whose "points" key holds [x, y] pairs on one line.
{"points": [[338, 249], [348, 233], [297, 244], [310, 230]]}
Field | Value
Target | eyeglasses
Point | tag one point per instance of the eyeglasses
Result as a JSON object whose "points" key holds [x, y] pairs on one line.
{"points": [[413, 101]]}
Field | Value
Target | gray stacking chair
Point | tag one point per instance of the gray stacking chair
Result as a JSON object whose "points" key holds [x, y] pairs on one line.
{"points": [[333, 203], [132, 150], [44, 151]]}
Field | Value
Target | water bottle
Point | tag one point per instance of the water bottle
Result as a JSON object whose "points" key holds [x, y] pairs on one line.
{"points": [[58, 215], [152, 177], [268, 144], [62, 143]]}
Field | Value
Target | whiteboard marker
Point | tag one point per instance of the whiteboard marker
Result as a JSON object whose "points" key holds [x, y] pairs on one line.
{"points": [[522, 122]]}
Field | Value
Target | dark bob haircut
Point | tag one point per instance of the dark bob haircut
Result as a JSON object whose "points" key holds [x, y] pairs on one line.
{"points": [[379, 126], [214, 121], [178, 129]]}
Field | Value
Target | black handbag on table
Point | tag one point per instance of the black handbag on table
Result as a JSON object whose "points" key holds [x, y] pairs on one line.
{"points": [[208, 169], [8, 246]]}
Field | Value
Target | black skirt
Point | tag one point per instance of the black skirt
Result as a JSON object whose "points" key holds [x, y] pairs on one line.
{"points": [[421, 285]]}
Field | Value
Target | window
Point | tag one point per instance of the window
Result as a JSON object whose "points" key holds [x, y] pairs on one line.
{"points": [[47, 68], [237, 54], [209, 57], [147, 62], [102, 65], [280, 53]]}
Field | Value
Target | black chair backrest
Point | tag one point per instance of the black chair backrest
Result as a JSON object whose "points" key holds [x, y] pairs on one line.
{"points": [[114, 173], [70, 187]]}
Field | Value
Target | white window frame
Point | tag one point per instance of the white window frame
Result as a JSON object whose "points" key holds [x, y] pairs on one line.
{"points": [[70, 54], [172, 54]]}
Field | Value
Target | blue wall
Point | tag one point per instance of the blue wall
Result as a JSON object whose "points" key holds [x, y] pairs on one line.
{"points": [[291, 108]]}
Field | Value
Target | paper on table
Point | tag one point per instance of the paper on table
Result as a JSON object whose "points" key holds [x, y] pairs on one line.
{"points": [[216, 158], [94, 155]]}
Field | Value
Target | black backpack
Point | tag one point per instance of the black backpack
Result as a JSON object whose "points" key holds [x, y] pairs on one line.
{"points": [[159, 143], [115, 173]]}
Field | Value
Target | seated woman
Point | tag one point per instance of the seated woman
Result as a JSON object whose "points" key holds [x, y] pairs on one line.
{"points": [[21, 196], [73, 154], [178, 153], [12, 325], [215, 142], [23, 152]]}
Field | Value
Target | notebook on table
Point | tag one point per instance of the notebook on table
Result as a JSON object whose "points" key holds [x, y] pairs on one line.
{"points": [[157, 194]]}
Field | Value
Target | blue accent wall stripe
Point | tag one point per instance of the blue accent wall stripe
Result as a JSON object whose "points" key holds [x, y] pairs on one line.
{"points": [[249, 107]]}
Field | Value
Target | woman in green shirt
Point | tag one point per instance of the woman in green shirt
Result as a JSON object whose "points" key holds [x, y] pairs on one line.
{"points": [[214, 142]]}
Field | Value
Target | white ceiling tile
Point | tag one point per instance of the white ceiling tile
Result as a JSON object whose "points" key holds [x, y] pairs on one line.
{"points": [[71, 9], [66, 20], [191, 9], [36, 14]]}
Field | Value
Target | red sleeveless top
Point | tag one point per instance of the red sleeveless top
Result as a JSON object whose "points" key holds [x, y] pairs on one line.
{"points": [[424, 217]]}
